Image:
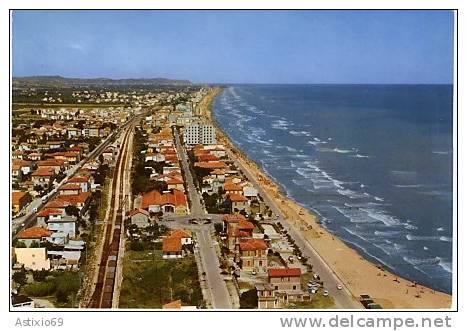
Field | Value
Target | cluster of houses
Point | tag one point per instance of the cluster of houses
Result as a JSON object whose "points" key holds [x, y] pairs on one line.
{"points": [[161, 149], [42, 153], [221, 177]]}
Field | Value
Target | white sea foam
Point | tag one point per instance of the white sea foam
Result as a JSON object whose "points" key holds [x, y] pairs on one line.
{"points": [[440, 229], [445, 264], [442, 152], [409, 186]]}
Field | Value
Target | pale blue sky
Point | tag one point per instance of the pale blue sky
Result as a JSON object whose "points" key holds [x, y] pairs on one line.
{"points": [[237, 46]]}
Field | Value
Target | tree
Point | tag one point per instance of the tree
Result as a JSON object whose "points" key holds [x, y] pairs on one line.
{"points": [[218, 227], [20, 277], [40, 275], [249, 299], [72, 211]]}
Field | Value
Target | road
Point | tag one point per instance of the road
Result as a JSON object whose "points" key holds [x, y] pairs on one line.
{"points": [[342, 298], [197, 209], [218, 289]]}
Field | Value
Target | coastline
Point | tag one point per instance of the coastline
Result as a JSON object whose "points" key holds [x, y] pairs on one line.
{"points": [[359, 275]]}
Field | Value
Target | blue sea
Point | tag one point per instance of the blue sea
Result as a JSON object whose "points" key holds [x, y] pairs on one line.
{"points": [[374, 162]]}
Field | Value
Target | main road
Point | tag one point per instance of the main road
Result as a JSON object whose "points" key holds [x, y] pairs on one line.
{"points": [[210, 261], [342, 298]]}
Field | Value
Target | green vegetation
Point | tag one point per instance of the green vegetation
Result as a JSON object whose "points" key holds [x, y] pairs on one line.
{"points": [[150, 281], [318, 301], [249, 299], [63, 285]]}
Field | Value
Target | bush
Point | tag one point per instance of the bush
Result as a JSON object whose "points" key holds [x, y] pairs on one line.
{"points": [[136, 246], [249, 299], [20, 277], [40, 289], [39, 275]]}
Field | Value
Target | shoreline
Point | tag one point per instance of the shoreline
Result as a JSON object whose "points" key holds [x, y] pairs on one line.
{"points": [[358, 274]]}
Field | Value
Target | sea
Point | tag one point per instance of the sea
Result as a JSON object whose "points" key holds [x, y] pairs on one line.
{"points": [[374, 162]]}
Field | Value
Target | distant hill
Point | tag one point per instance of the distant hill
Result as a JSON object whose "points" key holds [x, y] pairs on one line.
{"points": [[57, 81]]}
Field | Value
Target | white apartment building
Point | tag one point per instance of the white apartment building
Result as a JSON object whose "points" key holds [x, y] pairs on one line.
{"points": [[199, 134]]}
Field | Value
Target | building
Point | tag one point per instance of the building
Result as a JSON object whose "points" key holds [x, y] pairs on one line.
{"points": [[64, 224], [42, 176], [34, 235], [33, 258], [199, 134], [238, 202], [266, 296], [236, 227], [19, 200], [172, 248], [173, 202], [69, 189], [82, 181], [285, 279], [139, 217], [185, 236], [253, 255]]}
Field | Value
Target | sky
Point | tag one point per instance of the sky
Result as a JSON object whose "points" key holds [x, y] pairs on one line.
{"points": [[340, 47]]}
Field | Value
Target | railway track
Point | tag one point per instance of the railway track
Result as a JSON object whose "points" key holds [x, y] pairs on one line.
{"points": [[106, 279]]}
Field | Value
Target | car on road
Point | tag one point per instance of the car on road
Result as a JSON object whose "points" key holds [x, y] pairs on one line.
{"points": [[34, 210], [207, 222], [325, 293], [339, 286], [291, 259], [315, 276], [192, 221]]}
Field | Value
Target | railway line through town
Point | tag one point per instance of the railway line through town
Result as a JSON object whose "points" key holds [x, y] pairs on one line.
{"points": [[103, 294]]}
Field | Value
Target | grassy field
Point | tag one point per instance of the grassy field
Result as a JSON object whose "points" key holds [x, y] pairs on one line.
{"points": [[318, 301], [150, 281]]}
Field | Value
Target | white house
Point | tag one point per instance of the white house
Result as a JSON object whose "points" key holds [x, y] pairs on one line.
{"points": [[33, 258]]}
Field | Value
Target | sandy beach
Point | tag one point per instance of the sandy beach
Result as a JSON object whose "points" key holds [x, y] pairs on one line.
{"points": [[358, 274]]}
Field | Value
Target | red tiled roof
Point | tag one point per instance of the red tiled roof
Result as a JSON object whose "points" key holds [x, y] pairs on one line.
{"points": [[176, 198], [177, 304], [43, 172], [34, 233], [179, 233], [253, 245], [70, 186], [78, 179], [17, 196], [229, 186], [233, 217], [211, 165], [171, 245], [49, 211], [284, 272], [237, 197]]}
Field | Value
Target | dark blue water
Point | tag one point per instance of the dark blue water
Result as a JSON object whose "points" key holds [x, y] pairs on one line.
{"points": [[374, 162]]}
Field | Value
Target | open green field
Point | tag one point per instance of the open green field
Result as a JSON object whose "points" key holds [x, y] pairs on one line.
{"points": [[150, 281]]}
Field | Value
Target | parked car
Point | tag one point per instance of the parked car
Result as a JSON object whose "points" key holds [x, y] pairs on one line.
{"points": [[325, 293], [315, 276], [339, 286]]}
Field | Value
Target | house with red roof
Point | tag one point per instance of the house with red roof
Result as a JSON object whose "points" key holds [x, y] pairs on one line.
{"points": [[82, 181], [69, 189], [253, 255], [32, 235], [172, 202], [238, 202], [42, 176], [236, 227], [285, 279], [172, 248]]}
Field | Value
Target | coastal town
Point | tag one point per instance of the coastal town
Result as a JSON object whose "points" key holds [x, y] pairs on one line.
{"points": [[135, 198]]}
